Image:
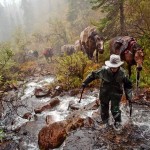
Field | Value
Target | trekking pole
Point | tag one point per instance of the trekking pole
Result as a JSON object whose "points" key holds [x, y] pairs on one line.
{"points": [[81, 95], [130, 106], [137, 81]]}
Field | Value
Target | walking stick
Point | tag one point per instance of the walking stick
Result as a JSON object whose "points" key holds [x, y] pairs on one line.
{"points": [[130, 106], [137, 81], [81, 95]]}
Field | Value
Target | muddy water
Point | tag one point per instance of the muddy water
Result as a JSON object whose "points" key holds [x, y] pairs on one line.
{"points": [[28, 134]]}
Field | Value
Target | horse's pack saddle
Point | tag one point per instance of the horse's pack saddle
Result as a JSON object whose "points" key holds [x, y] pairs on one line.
{"points": [[124, 43]]}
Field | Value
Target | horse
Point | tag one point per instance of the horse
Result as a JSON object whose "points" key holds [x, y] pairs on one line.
{"points": [[48, 52], [67, 49], [90, 41], [130, 52]]}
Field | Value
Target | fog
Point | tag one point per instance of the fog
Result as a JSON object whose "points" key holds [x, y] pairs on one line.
{"points": [[27, 14]]}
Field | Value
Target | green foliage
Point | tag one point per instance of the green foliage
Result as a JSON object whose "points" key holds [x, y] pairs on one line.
{"points": [[28, 68], [113, 22], [139, 22], [5, 56], [6, 63], [70, 69]]}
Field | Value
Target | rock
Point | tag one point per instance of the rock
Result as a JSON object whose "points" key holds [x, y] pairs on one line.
{"points": [[54, 102], [37, 110], [73, 106], [49, 119], [74, 92], [41, 93], [52, 136], [8, 145], [43, 108], [92, 106], [51, 104], [27, 115]]}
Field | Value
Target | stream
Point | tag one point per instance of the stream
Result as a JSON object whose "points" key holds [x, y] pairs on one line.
{"points": [[27, 137]]}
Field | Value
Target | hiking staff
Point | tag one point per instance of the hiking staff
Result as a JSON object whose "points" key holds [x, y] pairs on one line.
{"points": [[130, 106], [81, 94], [137, 81]]}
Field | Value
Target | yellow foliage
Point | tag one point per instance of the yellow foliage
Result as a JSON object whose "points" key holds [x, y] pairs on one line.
{"points": [[28, 67]]}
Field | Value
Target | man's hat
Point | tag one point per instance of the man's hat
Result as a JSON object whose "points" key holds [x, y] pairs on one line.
{"points": [[114, 61]]}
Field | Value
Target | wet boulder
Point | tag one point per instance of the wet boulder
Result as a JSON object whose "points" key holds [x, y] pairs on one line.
{"points": [[57, 91], [11, 145], [27, 115], [52, 136], [53, 103], [39, 92], [41, 109], [73, 106], [92, 106], [74, 92]]}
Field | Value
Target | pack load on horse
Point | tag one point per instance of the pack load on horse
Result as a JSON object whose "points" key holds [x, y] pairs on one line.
{"points": [[90, 41], [67, 49], [48, 53], [31, 54], [35, 54], [77, 45], [130, 51]]}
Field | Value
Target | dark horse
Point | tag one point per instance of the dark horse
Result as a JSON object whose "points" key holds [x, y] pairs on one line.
{"points": [[130, 51], [90, 41], [67, 49], [48, 53]]}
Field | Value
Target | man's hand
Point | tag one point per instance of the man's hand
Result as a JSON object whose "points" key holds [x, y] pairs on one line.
{"points": [[83, 85]]}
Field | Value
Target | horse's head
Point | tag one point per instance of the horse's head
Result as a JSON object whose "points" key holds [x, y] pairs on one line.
{"points": [[99, 44], [138, 56], [98, 41]]}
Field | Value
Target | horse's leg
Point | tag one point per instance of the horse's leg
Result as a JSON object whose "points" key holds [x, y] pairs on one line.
{"points": [[129, 70], [97, 56], [47, 59], [90, 54]]}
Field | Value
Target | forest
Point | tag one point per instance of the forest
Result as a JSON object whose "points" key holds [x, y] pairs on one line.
{"points": [[33, 44]]}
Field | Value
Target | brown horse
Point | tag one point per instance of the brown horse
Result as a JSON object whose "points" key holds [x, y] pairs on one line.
{"points": [[90, 41], [130, 51], [48, 53]]}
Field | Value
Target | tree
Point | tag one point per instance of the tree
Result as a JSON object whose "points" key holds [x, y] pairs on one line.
{"points": [[58, 33], [80, 15], [21, 40], [138, 22], [5, 60], [114, 22]]}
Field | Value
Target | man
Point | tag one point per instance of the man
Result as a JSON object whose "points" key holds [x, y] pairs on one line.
{"points": [[114, 81]]}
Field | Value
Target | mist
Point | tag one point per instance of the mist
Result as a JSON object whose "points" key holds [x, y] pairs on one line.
{"points": [[27, 14]]}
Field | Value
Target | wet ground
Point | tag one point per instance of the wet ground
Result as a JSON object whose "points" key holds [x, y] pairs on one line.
{"points": [[134, 136]]}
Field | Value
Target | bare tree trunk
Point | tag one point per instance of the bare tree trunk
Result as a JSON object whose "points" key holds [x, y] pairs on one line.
{"points": [[122, 17]]}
